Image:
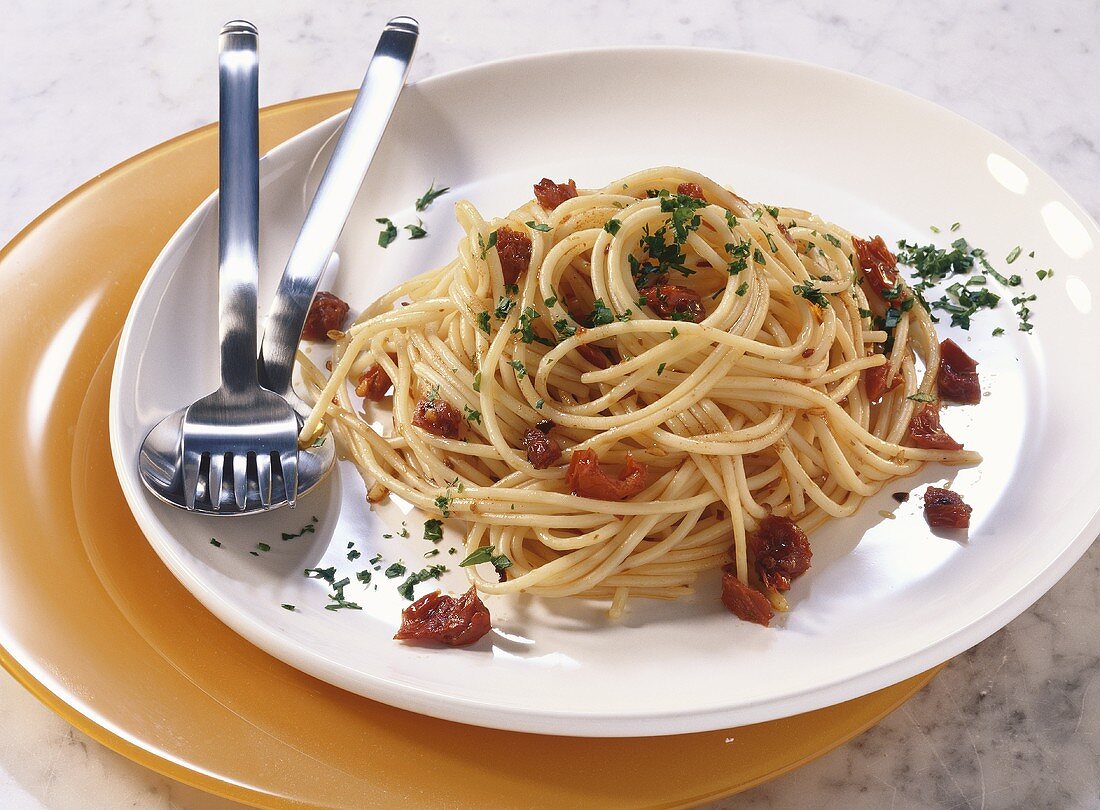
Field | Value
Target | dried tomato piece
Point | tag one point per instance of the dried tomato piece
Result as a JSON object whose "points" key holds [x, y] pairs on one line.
{"points": [[327, 312], [514, 250], [670, 299], [587, 479], [781, 552], [744, 602], [439, 417], [957, 379], [542, 449], [874, 379], [926, 432], [691, 190], [880, 269], [373, 384], [945, 508], [550, 194], [442, 618], [785, 233]]}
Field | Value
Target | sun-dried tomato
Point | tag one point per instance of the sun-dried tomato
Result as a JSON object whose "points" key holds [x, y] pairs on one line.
{"points": [[542, 449], [957, 379], [944, 508], [670, 299], [327, 312], [926, 432], [781, 552], [587, 479], [442, 618], [874, 379], [785, 233], [744, 602], [439, 417], [373, 383], [691, 190], [550, 194], [514, 250], [880, 269]]}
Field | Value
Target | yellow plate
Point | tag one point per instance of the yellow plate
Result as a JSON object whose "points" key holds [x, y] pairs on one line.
{"points": [[94, 625]]}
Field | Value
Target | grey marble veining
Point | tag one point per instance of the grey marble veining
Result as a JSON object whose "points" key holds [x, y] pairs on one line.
{"points": [[1015, 722]]}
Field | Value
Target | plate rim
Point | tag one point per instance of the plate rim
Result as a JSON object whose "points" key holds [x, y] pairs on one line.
{"points": [[638, 722]]}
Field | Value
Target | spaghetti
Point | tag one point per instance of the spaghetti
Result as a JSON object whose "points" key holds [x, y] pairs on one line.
{"points": [[661, 324]]}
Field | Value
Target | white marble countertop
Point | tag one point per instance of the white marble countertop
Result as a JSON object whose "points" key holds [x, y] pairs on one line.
{"points": [[87, 83]]}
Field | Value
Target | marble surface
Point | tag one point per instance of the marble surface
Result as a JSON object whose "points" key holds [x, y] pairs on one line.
{"points": [[86, 83]]}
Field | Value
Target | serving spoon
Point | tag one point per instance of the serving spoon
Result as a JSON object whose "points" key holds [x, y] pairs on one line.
{"points": [[159, 458]]}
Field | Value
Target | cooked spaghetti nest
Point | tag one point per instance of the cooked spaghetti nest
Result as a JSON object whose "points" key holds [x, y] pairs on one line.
{"points": [[760, 408]]}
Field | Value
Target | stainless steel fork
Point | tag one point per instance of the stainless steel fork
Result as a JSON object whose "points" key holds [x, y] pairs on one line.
{"points": [[241, 430]]}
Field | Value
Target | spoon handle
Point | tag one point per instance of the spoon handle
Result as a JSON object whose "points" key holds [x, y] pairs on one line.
{"points": [[239, 203], [332, 203]]}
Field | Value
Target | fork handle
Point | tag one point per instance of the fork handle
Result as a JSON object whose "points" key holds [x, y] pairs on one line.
{"points": [[335, 195], [239, 203]]}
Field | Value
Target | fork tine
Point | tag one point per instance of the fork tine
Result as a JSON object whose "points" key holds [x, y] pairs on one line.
{"points": [[191, 462], [289, 463], [215, 477], [240, 479], [263, 478]]}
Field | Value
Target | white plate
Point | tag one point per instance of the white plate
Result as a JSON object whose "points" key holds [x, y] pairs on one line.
{"points": [[884, 600]]}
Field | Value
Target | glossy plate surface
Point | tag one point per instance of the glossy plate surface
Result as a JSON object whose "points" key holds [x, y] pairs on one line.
{"points": [[97, 628], [885, 599]]}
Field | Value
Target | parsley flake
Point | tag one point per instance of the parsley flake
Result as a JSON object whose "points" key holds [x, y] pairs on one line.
{"points": [[430, 196]]}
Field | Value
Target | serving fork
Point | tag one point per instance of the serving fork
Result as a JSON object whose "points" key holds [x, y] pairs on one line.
{"points": [[241, 433]]}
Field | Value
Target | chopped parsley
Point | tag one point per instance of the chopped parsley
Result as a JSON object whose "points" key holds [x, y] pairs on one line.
{"points": [[285, 606], [486, 246], [601, 315], [1013, 255], [758, 256], [327, 574], [503, 307], [477, 382], [564, 328], [483, 321], [832, 240], [433, 530], [535, 226], [521, 370], [416, 231], [388, 234], [485, 555], [395, 570], [1043, 274], [430, 196], [742, 288], [423, 575], [443, 504], [921, 396], [660, 369], [363, 576], [812, 294], [673, 333], [612, 226], [526, 331], [553, 299], [998, 332], [739, 254], [309, 528], [471, 415], [215, 543], [539, 403], [263, 547], [771, 243]]}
